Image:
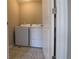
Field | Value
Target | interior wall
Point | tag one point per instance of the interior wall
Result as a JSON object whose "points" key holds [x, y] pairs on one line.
{"points": [[13, 18], [62, 29], [31, 13]]}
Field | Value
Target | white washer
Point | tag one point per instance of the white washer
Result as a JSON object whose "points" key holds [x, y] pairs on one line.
{"points": [[21, 36], [36, 36]]}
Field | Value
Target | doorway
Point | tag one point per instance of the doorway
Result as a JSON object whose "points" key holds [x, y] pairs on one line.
{"points": [[22, 15], [25, 29]]}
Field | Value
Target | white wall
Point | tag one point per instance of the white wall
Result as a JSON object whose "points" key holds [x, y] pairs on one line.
{"points": [[31, 12], [62, 29], [13, 19]]}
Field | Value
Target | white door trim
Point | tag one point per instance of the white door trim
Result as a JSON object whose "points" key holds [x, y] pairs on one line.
{"points": [[48, 28]]}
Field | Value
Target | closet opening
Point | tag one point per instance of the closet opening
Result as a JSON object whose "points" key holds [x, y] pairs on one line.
{"points": [[29, 24]]}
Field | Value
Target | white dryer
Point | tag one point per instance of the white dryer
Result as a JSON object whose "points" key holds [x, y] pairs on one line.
{"points": [[36, 36], [21, 36]]}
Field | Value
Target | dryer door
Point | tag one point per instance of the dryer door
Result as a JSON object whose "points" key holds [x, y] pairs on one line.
{"points": [[21, 36]]}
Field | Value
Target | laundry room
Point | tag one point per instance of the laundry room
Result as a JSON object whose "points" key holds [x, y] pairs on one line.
{"points": [[29, 29], [25, 27], [35, 29]]}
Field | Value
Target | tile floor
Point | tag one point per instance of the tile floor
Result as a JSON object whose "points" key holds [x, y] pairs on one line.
{"points": [[25, 53]]}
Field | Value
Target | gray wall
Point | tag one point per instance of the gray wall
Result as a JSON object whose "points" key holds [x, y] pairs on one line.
{"points": [[69, 29]]}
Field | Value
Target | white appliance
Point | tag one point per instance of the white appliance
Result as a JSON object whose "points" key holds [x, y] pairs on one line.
{"points": [[21, 36], [36, 35], [26, 35]]}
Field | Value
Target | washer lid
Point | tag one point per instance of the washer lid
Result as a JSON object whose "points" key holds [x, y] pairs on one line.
{"points": [[36, 25], [25, 25]]}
